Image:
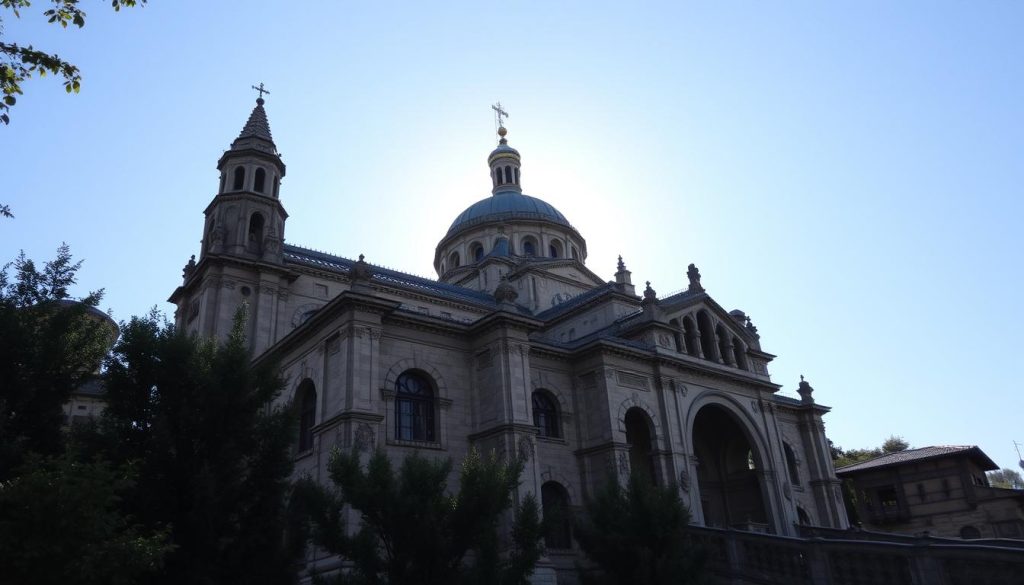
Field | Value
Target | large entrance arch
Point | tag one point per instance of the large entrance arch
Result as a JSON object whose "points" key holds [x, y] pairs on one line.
{"points": [[730, 483]]}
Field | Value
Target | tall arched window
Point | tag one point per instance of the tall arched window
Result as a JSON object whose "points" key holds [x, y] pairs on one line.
{"points": [[638, 435], [306, 400], [239, 181], [497, 176], [575, 253], [453, 260], [555, 249], [255, 242], [558, 521], [414, 408], [724, 344], [707, 336], [740, 353], [794, 473], [260, 180], [477, 251], [545, 414], [690, 335], [508, 174]]}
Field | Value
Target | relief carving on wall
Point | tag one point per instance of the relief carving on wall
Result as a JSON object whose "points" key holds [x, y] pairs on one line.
{"points": [[525, 448], [684, 480], [365, 438]]}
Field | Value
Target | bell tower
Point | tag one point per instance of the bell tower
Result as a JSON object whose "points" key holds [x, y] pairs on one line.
{"points": [[246, 218], [240, 265]]}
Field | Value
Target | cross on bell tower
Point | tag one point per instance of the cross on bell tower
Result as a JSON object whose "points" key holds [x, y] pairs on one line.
{"points": [[499, 114], [262, 91]]}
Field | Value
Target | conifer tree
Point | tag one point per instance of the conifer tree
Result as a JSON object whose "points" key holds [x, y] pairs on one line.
{"points": [[638, 535], [212, 453], [413, 531]]}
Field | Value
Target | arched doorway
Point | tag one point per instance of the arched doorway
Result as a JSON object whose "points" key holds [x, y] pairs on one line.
{"points": [[638, 435], [727, 471]]}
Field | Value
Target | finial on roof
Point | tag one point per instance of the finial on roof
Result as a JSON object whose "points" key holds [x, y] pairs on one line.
{"points": [[262, 91], [805, 391], [361, 270], [499, 114], [622, 265], [694, 275]]}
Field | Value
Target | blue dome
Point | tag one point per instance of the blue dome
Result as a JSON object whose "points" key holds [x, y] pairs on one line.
{"points": [[507, 205]]}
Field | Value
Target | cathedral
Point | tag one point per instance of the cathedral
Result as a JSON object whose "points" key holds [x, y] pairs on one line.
{"points": [[517, 346]]}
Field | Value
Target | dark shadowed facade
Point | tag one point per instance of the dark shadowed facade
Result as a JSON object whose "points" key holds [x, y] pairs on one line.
{"points": [[517, 346]]}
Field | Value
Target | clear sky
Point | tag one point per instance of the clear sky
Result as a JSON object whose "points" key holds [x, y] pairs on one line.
{"points": [[848, 173]]}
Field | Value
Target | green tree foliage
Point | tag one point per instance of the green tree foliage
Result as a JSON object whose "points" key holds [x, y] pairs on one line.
{"points": [[60, 523], [413, 531], [49, 346], [212, 455], [1006, 478], [18, 62], [638, 535], [893, 444]]}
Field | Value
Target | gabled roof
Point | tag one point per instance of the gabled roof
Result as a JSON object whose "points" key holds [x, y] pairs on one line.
{"points": [[578, 300], [297, 255], [921, 454]]}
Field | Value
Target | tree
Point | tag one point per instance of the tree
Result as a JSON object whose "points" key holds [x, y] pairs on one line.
{"points": [[413, 531], [638, 535], [49, 346], [893, 444], [18, 63], [213, 455], [1006, 478], [60, 523]]}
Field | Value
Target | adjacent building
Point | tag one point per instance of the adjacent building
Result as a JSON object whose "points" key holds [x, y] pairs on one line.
{"points": [[940, 490]]}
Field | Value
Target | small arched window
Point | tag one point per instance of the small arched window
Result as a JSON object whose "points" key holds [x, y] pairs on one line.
{"points": [[497, 176], [477, 251], [545, 414], [677, 334], [508, 174], [239, 180], [516, 173], [575, 253], [414, 408], [277, 187], [306, 399], [453, 260], [794, 473], [555, 249], [557, 518], [260, 180]]}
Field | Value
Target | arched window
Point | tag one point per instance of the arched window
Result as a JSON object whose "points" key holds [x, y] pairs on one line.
{"points": [[453, 260], [277, 186], [306, 400], [255, 242], [545, 414], [740, 353], [477, 251], [497, 176], [239, 181], [529, 247], [794, 473], [575, 253], [724, 344], [690, 336], [555, 249], [802, 516], [508, 174], [260, 180], [638, 435], [516, 173], [558, 521], [707, 336], [414, 408]]}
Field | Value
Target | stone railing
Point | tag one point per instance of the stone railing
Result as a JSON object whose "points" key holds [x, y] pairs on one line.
{"points": [[741, 558]]}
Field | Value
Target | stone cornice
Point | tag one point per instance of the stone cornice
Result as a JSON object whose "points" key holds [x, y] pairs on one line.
{"points": [[202, 268]]}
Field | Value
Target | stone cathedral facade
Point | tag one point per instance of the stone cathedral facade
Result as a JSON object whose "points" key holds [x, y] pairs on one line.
{"points": [[517, 346]]}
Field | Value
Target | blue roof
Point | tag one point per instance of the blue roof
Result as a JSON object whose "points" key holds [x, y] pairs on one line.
{"points": [[507, 205]]}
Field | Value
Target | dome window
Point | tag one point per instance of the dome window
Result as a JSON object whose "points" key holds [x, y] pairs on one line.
{"points": [[477, 252], [555, 249], [529, 247], [453, 260], [508, 174]]}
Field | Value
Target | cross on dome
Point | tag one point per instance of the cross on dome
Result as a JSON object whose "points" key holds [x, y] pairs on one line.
{"points": [[262, 91]]}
